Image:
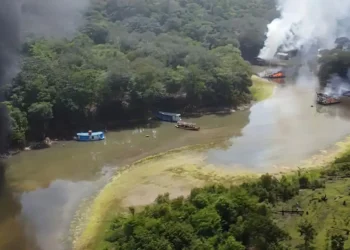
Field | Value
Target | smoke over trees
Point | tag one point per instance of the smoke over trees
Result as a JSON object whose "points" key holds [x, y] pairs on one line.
{"points": [[128, 58], [34, 18], [9, 44], [320, 22]]}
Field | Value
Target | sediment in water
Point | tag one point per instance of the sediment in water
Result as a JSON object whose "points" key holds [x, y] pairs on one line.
{"points": [[176, 172]]}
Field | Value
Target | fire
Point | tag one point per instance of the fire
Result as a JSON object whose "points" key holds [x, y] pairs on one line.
{"points": [[278, 74]]}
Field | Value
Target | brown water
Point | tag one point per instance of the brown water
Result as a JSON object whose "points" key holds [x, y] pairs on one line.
{"points": [[44, 188]]}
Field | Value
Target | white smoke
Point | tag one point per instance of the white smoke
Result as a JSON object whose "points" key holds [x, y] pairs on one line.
{"points": [[52, 18], [337, 86], [304, 23]]}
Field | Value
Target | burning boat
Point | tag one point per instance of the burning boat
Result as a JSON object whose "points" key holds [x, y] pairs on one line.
{"points": [[326, 99], [273, 73], [278, 74]]}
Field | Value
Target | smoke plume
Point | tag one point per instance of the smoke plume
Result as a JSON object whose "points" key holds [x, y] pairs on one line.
{"points": [[304, 23], [19, 18], [338, 86], [9, 44], [52, 18]]}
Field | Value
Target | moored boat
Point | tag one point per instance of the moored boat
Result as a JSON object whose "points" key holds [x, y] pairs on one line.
{"points": [[187, 126], [168, 117], [90, 136]]}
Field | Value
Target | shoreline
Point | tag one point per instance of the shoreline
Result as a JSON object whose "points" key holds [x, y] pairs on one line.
{"points": [[259, 85], [182, 172], [177, 172]]}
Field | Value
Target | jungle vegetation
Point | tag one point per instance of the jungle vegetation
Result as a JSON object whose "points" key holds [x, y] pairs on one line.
{"points": [[130, 58]]}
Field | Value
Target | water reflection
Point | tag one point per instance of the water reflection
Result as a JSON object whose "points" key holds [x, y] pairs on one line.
{"points": [[47, 213], [12, 233], [50, 183], [286, 129]]}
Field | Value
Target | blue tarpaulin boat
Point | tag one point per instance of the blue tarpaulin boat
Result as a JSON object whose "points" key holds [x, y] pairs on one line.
{"points": [[168, 117], [90, 136]]}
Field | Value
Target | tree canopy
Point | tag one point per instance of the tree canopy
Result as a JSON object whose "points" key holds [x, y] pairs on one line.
{"points": [[214, 217], [132, 57]]}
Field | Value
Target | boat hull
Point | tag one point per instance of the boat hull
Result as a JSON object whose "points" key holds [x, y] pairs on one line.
{"points": [[193, 129], [84, 137], [168, 117], [92, 139], [326, 100]]}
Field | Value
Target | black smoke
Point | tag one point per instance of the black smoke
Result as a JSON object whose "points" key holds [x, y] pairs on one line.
{"points": [[9, 45]]}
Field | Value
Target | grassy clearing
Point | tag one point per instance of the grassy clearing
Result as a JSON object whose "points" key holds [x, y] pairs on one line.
{"points": [[328, 218], [261, 88]]}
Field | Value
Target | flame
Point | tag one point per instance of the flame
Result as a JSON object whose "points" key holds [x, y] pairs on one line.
{"points": [[278, 74]]}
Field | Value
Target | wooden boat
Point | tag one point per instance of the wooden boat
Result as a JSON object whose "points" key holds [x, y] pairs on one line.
{"points": [[168, 117], [326, 99], [90, 136], [187, 126], [278, 74]]}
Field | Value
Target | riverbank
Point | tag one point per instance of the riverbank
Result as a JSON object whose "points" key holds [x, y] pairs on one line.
{"points": [[261, 89], [176, 172]]}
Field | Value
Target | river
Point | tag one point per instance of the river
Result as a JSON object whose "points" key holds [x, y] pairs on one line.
{"points": [[45, 188]]}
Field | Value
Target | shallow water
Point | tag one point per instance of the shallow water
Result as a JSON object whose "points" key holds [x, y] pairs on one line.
{"points": [[44, 188], [286, 129]]}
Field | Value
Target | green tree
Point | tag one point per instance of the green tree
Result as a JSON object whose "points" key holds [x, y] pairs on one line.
{"points": [[40, 114], [19, 125], [206, 222], [231, 244], [337, 242], [309, 233], [180, 235]]}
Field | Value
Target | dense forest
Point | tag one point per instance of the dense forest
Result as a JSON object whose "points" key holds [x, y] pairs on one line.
{"points": [[132, 57], [249, 216]]}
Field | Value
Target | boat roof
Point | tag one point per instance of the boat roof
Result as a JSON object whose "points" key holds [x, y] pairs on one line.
{"points": [[168, 113], [87, 134]]}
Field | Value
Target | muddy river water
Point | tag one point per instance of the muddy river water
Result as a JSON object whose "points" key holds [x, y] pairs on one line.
{"points": [[45, 188]]}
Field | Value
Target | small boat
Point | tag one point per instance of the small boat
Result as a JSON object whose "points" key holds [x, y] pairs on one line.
{"points": [[90, 136], [326, 99], [168, 117], [187, 125], [278, 74]]}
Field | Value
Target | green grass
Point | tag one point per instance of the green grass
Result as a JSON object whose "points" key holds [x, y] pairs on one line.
{"points": [[328, 218], [261, 88]]}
